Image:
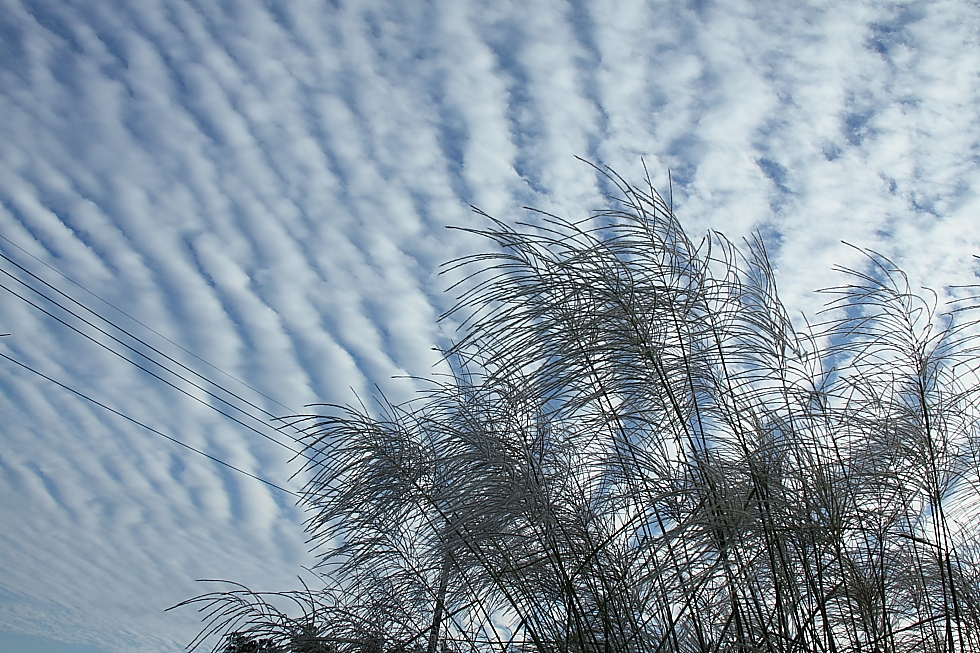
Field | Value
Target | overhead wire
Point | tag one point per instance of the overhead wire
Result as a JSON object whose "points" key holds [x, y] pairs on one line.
{"points": [[143, 355], [146, 426], [136, 338], [141, 323], [157, 363]]}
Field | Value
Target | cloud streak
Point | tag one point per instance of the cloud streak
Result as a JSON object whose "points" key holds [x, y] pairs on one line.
{"points": [[264, 185]]}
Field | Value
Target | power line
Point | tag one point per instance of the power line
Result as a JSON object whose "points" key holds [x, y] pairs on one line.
{"points": [[149, 346], [149, 428], [141, 354], [134, 337], [134, 319]]}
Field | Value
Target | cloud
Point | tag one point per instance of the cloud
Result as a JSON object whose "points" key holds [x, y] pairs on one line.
{"points": [[265, 188]]}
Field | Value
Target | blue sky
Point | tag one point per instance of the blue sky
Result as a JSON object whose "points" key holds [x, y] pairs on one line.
{"points": [[258, 189]]}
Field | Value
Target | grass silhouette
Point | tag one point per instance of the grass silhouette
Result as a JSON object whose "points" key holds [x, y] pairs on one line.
{"points": [[638, 452]]}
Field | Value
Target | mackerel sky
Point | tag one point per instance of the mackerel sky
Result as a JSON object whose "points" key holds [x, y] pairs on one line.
{"points": [[257, 190]]}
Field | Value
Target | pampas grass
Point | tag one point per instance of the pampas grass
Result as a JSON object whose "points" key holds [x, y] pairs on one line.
{"points": [[638, 452]]}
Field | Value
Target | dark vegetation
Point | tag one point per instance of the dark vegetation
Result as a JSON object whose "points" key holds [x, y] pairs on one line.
{"points": [[638, 452]]}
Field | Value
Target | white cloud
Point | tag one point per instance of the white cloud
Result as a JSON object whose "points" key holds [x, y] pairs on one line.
{"points": [[266, 187]]}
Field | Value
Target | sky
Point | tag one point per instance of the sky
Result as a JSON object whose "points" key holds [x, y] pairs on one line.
{"points": [[256, 193]]}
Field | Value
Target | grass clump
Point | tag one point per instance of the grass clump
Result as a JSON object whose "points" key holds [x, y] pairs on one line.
{"points": [[638, 452]]}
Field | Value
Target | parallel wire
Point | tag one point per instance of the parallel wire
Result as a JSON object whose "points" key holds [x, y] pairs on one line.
{"points": [[108, 348], [140, 340], [134, 337], [138, 321], [158, 364], [147, 427]]}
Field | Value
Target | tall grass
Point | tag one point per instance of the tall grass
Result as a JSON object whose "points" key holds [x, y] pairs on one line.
{"points": [[638, 452]]}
